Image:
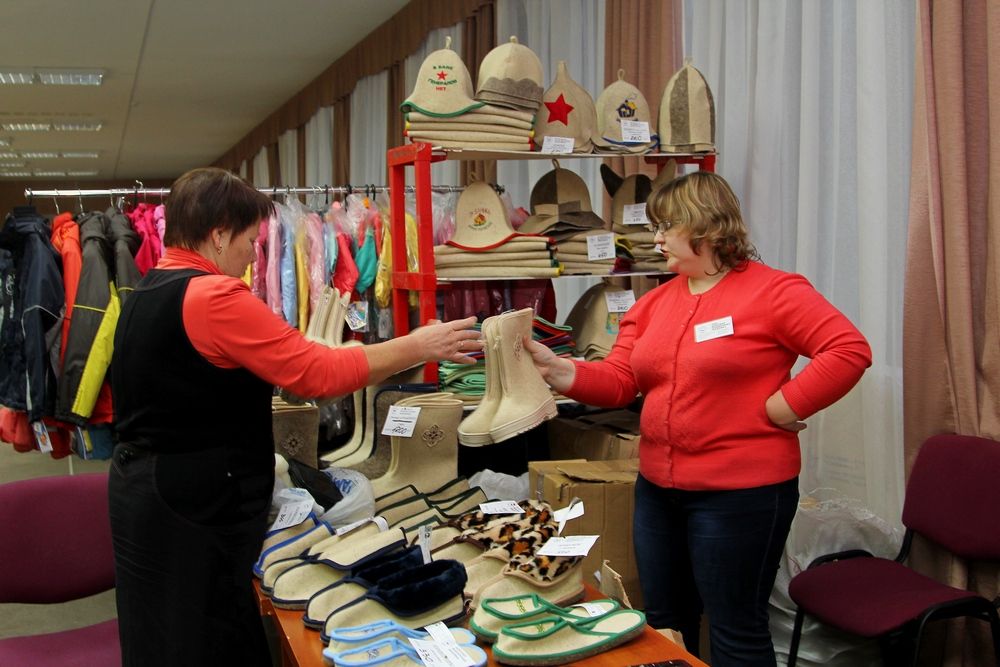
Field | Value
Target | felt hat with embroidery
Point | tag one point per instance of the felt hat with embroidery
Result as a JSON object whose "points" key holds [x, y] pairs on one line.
{"points": [[443, 87], [567, 111], [560, 197], [687, 113], [511, 75], [481, 220], [622, 101]]}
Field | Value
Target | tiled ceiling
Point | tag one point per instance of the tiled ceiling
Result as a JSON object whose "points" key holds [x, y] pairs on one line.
{"points": [[184, 80]]}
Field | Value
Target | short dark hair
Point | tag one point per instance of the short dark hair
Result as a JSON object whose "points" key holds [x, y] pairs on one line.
{"points": [[206, 198]]}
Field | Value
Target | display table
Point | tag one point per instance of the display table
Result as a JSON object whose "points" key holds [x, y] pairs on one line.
{"points": [[301, 647]]}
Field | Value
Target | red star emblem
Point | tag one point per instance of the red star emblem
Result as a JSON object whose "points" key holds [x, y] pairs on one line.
{"points": [[442, 76], [559, 110]]}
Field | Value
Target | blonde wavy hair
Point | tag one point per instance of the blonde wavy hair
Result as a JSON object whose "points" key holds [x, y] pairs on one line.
{"points": [[702, 204]]}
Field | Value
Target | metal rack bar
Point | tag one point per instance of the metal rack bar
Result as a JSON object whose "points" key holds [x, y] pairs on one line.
{"points": [[273, 191]]}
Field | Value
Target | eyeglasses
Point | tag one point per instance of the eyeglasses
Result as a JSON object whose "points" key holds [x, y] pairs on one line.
{"points": [[660, 227]]}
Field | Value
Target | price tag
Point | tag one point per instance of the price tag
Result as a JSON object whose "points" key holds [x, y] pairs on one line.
{"points": [[357, 316], [433, 654], [501, 507], [557, 144], [575, 545], [634, 214], [440, 633], [592, 609], [600, 246], [619, 302], [292, 514], [351, 526], [42, 436], [401, 421], [574, 510], [424, 540], [635, 131]]}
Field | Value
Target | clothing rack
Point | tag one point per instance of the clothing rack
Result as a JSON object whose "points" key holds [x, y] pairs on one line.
{"points": [[273, 191]]}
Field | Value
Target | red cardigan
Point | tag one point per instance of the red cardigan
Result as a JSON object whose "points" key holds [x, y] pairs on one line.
{"points": [[232, 328], [703, 423]]}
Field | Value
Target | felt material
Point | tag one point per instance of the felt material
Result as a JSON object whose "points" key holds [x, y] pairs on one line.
{"points": [[477, 128], [480, 217], [354, 552], [293, 547], [483, 135], [500, 272], [561, 640], [494, 614], [485, 145], [496, 121], [567, 111], [687, 113], [621, 101], [589, 318], [443, 86], [393, 652], [361, 532], [510, 75], [477, 259], [274, 570], [516, 244], [560, 196], [293, 587]]}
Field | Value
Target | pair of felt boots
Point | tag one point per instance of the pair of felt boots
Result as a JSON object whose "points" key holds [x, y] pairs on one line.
{"points": [[516, 397]]}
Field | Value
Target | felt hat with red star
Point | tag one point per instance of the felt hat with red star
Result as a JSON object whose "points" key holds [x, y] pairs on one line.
{"points": [[567, 111]]}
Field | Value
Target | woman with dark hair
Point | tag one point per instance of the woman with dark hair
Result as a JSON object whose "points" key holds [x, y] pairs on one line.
{"points": [[196, 357], [711, 351]]}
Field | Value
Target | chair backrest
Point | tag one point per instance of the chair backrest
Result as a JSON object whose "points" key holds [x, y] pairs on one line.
{"points": [[56, 539], [953, 495]]}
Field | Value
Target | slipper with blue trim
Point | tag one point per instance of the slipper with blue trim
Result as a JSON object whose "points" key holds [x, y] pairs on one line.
{"points": [[343, 639], [393, 652]]}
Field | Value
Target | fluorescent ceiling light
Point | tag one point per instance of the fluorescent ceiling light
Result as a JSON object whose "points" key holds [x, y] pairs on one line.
{"points": [[70, 77], [78, 126], [4, 143], [26, 127], [11, 165], [15, 174], [9, 156], [38, 155], [15, 76], [81, 173], [80, 154], [50, 173]]}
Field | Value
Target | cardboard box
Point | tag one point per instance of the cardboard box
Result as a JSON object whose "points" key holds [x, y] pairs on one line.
{"points": [[606, 489], [600, 436]]}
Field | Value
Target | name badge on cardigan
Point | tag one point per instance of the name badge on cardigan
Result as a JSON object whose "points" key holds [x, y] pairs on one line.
{"points": [[714, 329]]}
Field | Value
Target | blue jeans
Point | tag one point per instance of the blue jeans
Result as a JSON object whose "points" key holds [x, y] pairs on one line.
{"points": [[713, 550]]}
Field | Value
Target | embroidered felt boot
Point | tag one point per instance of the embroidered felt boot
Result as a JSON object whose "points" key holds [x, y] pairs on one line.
{"points": [[474, 431]]}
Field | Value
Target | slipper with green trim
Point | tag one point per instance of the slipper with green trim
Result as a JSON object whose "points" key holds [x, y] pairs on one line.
{"points": [[558, 641], [494, 614]]}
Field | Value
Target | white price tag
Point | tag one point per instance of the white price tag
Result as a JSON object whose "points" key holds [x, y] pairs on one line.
{"points": [[433, 654], [401, 420], [619, 302], [635, 131], [592, 609], [501, 507], [634, 214], [600, 246], [440, 633], [424, 540], [557, 144], [357, 316], [292, 514], [42, 436], [574, 510], [575, 545], [351, 526]]}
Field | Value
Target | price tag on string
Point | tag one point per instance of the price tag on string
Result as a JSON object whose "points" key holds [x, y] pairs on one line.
{"points": [[600, 246], [351, 526], [401, 421], [572, 511], [619, 302], [591, 608], [292, 514], [42, 438], [440, 633], [434, 654], [634, 214], [575, 545], [501, 507], [553, 144], [635, 131], [424, 541]]}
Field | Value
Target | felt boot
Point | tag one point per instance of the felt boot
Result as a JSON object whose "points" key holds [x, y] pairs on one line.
{"points": [[474, 431], [526, 400]]}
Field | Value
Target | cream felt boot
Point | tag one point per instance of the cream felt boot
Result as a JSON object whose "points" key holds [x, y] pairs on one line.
{"points": [[474, 431], [428, 458], [526, 400]]}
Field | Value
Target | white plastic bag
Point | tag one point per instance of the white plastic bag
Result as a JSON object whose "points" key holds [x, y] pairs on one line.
{"points": [[826, 522], [359, 499], [501, 486]]}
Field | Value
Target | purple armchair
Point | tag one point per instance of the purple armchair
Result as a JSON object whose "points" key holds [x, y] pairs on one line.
{"points": [[56, 547]]}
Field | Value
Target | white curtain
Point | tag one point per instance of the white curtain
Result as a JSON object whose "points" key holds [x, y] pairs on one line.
{"points": [[319, 152], [243, 169], [261, 170], [442, 173], [369, 102], [288, 158], [570, 30], [813, 103]]}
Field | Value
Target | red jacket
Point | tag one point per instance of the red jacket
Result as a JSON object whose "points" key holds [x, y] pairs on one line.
{"points": [[703, 422]]}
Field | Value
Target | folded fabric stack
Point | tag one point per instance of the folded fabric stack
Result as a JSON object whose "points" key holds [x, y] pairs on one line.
{"points": [[443, 112], [574, 254], [485, 244], [595, 329]]}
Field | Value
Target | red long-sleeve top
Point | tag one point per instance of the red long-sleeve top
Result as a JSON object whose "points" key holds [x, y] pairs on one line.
{"points": [[232, 328], [704, 424]]}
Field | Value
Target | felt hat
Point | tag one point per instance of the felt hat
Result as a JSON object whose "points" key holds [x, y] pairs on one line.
{"points": [[560, 196], [594, 328], [631, 190], [481, 220], [511, 75], [622, 101], [687, 113], [443, 87], [567, 111]]}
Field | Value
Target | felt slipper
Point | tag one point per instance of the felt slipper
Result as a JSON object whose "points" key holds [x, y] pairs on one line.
{"points": [[292, 547], [274, 537], [274, 570], [361, 531], [343, 639], [392, 652], [493, 614], [415, 597], [352, 587], [559, 640], [393, 497], [557, 579]]}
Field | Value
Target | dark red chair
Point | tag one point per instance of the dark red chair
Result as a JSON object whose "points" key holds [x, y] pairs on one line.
{"points": [[56, 547], [953, 500]]}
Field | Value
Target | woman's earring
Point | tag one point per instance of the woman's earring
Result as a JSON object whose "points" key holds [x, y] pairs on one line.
{"points": [[219, 248]]}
